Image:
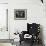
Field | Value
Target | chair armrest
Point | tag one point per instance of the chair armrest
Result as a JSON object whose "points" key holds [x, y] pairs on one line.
{"points": [[24, 32], [22, 35]]}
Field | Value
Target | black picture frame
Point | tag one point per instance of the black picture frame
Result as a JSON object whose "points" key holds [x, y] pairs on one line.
{"points": [[20, 14]]}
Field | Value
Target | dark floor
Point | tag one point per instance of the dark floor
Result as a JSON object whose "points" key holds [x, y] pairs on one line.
{"points": [[29, 44]]}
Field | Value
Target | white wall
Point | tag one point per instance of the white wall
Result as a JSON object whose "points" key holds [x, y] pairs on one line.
{"points": [[3, 21], [3, 34], [3, 1], [35, 14]]}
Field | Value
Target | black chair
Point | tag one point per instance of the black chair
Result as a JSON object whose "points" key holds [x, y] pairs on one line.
{"points": [[32, 29]]}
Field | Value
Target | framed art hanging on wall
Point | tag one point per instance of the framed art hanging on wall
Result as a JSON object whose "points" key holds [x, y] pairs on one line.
{"points": [[20, 14]]}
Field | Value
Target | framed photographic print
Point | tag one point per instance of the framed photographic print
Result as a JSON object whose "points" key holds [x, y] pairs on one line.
{"points": [[20, 14]]}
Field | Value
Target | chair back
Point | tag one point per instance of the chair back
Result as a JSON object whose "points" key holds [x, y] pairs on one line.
{"points": [[33, 28]]}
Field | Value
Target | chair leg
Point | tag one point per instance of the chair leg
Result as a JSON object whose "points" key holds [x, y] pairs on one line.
{"points": [[20, 42], [32, 42]]}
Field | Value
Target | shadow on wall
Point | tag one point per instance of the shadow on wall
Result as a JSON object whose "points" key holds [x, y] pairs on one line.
{"points": [[41, 34]]}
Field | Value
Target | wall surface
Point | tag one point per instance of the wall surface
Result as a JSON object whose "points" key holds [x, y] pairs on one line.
{"points": [[3, 21], [3, 17], [35, 14], [3, 1]]}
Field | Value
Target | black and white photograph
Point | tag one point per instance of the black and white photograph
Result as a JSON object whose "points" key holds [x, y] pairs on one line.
{"points": [[22, 22], [20, 14]]}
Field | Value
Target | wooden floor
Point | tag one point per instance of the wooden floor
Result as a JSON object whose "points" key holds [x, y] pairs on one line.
{"points": [[6, 40], [6, 44]]}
